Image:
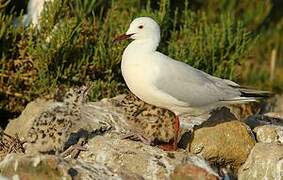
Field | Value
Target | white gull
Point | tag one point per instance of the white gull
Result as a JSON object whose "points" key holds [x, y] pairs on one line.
{"points": [[164, 82]]}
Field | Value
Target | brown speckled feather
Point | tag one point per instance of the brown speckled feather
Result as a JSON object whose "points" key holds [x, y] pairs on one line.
{"points": [[150, 121]]}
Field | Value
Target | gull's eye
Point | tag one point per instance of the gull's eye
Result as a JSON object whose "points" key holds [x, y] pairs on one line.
{"points": [[140, 27]]}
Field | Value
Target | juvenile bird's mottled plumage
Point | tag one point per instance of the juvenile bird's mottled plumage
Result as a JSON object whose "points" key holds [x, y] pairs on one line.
{"points": [[153, 123], [56, 129]]}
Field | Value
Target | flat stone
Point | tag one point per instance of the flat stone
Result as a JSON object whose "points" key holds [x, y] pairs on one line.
{"points": [[264, 162]]}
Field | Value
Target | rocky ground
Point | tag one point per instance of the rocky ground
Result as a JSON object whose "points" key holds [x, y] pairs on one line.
{"points": [[70, 138]]}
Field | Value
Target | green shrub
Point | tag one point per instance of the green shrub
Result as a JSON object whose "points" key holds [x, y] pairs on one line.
{"points": [[74, 44], [216, 48]]}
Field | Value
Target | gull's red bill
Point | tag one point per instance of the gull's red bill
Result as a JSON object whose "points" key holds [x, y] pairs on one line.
{"points": [[122, 37]]}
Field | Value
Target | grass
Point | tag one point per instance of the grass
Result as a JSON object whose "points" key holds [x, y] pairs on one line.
{"points": [[73, 44]]}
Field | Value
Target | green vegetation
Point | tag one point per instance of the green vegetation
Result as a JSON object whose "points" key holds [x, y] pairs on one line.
{"points": [[73, 44]]}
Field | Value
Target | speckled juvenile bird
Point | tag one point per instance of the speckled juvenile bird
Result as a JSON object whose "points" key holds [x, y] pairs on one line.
{"points": [[56, 128], [148, 123]]}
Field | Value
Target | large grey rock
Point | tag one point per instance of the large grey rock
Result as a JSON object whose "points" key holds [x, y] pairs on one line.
{"points": [[264, 162], [227, 143], [138, 158]]}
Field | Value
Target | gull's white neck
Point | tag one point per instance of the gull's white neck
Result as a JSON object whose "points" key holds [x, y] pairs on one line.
{"points": [[137, 56], [142, 46]]}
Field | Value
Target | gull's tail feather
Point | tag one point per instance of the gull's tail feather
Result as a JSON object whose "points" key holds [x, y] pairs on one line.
{"points": [[249, 95], [240, 100], [255, 93]]}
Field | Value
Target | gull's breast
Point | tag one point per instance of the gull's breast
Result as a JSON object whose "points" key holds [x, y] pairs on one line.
{"points": [[140, 77]]}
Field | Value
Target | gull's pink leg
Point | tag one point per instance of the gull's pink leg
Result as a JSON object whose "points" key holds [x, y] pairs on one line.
{"points": [[172, 145]]}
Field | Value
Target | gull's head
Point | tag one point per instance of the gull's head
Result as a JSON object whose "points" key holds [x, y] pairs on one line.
{"points": [[142, 28]]}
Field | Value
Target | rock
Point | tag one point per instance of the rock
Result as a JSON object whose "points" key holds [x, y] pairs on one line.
{"points": [[23, 123], [31, 167], [138, 158], [52, 126], [275, 115], [54, 167], [269, 134], [150, 162], [57, 125], [264, 162], [227, 143], [193, 167], [189, 171], [122, 164], [3, 177], [271, 118], [278, 105], [107, 158]]}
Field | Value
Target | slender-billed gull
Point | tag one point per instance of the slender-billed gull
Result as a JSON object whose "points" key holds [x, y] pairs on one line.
{"points": [[167, 83]]}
